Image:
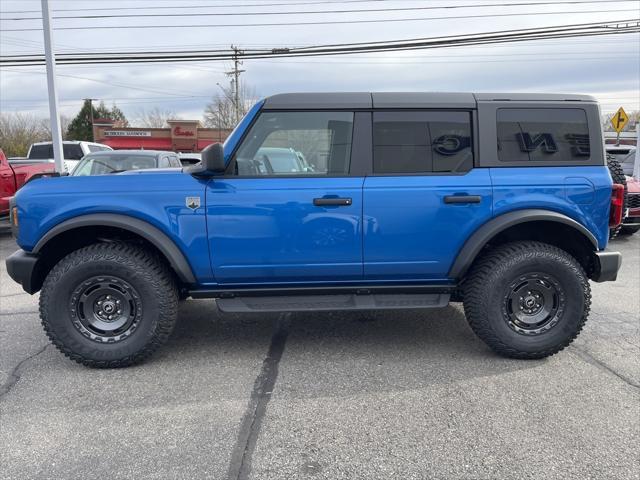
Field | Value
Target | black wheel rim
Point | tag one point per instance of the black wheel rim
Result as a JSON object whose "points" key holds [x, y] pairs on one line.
{"points": [[105, 309], [533, 303]]}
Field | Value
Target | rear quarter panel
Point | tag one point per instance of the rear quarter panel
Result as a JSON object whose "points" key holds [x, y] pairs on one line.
{"points": [[159, 199], [581, 193]]}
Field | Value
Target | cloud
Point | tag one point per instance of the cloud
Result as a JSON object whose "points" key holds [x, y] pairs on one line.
{"points": [[608, 67]]}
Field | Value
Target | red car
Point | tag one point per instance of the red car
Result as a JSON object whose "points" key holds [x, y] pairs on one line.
{"points": [[12, 177], [631, 223]]}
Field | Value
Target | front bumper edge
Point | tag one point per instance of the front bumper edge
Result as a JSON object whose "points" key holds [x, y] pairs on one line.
{"points": [[22, 267]]}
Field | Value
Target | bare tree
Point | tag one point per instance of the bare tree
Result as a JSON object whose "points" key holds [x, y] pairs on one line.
{"points": [[18, 131], [154, 118], [221, 111], [45, 124]]}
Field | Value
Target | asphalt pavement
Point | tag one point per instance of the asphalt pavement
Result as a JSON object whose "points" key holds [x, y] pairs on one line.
{"points": [[381, 395]]}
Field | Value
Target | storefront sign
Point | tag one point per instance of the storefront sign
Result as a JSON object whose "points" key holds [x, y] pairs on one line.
{"points": [[179, 132], [126, 133]]}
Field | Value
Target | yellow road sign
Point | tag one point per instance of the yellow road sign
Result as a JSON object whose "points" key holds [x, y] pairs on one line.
{"points": [[619, 120]]}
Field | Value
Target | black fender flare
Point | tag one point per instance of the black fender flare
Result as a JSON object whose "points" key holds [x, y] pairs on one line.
{"points": [[480, 237], [144, 229]]}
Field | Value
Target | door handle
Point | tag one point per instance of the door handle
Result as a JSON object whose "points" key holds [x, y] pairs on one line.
{"points": [[462, 199], [332, 201]]}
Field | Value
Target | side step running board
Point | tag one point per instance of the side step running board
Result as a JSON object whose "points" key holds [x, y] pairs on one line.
{"points": [[302, 303]]}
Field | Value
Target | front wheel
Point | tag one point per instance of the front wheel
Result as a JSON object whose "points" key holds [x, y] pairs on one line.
{"points": [[527, 299], [109, 305]]}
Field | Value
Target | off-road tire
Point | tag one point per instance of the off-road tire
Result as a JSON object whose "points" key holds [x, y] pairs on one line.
{"points": [[493, 275], [617, 175], [147, 275]]}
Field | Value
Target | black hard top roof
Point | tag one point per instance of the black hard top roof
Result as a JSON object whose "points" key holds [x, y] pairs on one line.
{"points": [[364, 100]]}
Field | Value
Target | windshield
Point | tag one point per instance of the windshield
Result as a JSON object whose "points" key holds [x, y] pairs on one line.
{"points": [[105, 164]]}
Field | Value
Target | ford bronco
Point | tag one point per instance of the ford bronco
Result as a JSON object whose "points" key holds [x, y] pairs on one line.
{"points": [[396, 200]]}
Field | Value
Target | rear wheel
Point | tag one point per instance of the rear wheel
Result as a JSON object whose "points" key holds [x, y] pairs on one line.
{"points": [[109, 305], [527, 299]]}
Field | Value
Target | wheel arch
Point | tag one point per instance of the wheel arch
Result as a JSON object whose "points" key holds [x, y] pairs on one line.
{"points": [[102, 222], [531, 224]]}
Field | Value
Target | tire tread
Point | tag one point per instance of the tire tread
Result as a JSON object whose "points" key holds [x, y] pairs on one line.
{"points": [[475, 295], [154, 271]]}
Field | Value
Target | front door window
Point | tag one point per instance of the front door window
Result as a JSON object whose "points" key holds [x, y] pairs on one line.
{"points": [[296, 143]]}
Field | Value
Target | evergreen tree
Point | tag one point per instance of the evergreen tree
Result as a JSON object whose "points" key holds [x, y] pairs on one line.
{"points": [[118, 116], [80, 127]]}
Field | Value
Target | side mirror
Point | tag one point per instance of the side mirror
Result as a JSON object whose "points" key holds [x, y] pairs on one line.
{"points": [[212, 162]]}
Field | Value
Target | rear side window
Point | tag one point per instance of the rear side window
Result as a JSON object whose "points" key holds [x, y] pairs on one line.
{"points": [[558, 135], [164, 162], [40, 152], [422, 142], [72, 151]]}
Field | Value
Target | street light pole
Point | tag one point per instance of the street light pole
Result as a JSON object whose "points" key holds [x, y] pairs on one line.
{"points": [[56, 132]]}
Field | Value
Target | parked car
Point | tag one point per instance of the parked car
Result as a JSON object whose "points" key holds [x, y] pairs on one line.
{"points": [[116, 161], [501, 201], [73, 151], [625, 154], [274, 160], [13, 176], [189, 159], [631, 222]]}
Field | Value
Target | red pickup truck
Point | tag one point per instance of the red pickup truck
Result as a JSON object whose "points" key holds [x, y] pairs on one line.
{"points": [[13, 176]]}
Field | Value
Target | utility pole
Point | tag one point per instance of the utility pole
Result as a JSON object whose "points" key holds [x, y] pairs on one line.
{"points": [[56, 133], [235, 80], [90, 100]]}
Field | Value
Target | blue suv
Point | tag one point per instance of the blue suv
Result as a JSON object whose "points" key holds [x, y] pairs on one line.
{"points": [[393, 200]]}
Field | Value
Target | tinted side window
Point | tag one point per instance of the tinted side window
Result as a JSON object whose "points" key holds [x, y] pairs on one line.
{"points": [[296, 143], [40, 152], [72, 152], [422, 142], [543, 134]]}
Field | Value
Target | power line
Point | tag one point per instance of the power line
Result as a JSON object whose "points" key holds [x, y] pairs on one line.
{"points": [[122, 85], [319, 12], [269, 47], [323, 22], [504, 36], [181, 7]]}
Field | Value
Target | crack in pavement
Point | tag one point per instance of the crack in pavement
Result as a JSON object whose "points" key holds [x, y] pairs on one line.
{"points": [[20, 312], [240, 465], [14, 376], [587, 357]]}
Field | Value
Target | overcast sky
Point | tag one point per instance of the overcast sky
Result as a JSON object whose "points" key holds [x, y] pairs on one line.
{"points": [[607, 67]]}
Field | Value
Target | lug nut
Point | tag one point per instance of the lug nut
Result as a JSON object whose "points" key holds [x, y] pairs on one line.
{"points": [[100, 302]]}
